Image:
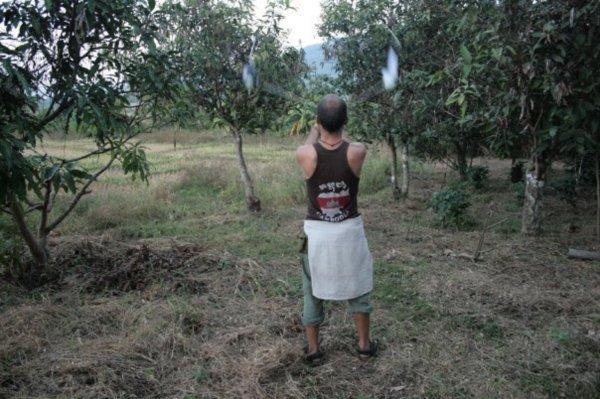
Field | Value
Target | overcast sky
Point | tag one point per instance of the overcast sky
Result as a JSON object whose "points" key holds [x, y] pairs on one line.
{"points": [[301, 22]]}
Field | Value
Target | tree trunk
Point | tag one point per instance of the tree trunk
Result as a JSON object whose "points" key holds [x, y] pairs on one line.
{"points": [[252, 202], [393, 166], [405, 170], [597, 198], [461, 160], [534, 185], [37, 246]]}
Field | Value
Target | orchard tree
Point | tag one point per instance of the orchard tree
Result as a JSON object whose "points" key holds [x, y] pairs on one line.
{"points": [[440, 77], [457, 41], [89, 64], [360, 36], [583, 112], [511, 78], [521, 81], [558, 90], [221, 42], [503, 63]]}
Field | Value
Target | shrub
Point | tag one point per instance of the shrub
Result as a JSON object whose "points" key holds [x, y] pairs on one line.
{"points": [[566, 189], [477, 176], [450, 206]]}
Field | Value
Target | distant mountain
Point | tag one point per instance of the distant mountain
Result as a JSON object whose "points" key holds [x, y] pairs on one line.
{"points": [[315, 58]]}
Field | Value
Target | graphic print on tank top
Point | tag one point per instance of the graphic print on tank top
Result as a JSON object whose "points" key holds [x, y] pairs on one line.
{"points": [[333, 200]]}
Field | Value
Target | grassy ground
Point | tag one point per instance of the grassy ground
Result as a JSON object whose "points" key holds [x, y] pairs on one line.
{"points": [[173, 290]]}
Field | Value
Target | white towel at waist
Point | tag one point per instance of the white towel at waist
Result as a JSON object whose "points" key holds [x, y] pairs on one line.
{"points": [[341, 265]]}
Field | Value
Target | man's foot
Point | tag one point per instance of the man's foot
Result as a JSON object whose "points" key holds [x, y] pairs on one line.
{"points": [[314, 358], [370, 351]]}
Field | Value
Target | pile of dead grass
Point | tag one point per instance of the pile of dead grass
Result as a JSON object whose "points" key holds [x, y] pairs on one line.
{"points": [[160, 319]]}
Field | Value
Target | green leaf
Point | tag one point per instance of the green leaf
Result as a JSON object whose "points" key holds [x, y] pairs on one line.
{"points": [[5, 150], [151, 4], [435, 77], [497, 53], [549, 26], [552, 131], [35, 22], [467, 70], [69, 181], [22, 80], [557, 58], [56, 180], [80, 174], [465, 54], [50, 172]]}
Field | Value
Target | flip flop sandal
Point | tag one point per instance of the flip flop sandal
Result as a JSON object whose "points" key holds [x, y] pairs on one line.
{"points": [[370, 352], [313, 359]]}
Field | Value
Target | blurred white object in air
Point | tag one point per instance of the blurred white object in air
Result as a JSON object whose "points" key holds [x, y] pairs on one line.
{"points": [[249, 73], [390, 72], [248, 77]]}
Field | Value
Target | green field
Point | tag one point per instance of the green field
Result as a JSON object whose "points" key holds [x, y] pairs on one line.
{"points": [[173, 290]]}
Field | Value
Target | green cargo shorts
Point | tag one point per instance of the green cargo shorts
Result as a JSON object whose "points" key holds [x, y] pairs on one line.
{"points": [[313, 307]]}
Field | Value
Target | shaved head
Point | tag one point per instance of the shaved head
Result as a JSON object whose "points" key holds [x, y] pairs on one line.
{"points": [[332, 113]]}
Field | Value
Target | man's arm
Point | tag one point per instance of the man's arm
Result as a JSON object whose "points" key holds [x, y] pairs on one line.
{"points": [[313, 135], [306, 156]]}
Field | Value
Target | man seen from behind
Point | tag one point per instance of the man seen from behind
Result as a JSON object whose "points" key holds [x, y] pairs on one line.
{"points": [[338, 264]]}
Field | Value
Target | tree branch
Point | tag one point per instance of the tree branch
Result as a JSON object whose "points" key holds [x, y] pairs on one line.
{"points": [[33, 207], [83, 191], [56, 113], [90, 154], [6, 210], [451, 114], [50, 107]]}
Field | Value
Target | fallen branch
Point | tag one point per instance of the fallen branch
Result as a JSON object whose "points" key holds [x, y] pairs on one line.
{"points": [[581, 254]]}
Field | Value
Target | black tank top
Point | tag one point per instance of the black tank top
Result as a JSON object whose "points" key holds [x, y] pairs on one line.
{"points": [[333, 188]]}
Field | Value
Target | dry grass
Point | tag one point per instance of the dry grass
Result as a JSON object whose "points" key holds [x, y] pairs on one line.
{"points": [[162, 319], [179, 322]]}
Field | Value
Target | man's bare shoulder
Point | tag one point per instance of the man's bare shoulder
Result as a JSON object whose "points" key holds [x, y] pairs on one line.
{"points": [[306, 156], [305, 151], [356, 156], [357, 150]]}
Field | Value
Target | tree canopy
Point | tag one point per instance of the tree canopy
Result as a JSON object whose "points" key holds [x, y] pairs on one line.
{"points": [[514, 79], [91, 65], [236, 68]]}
